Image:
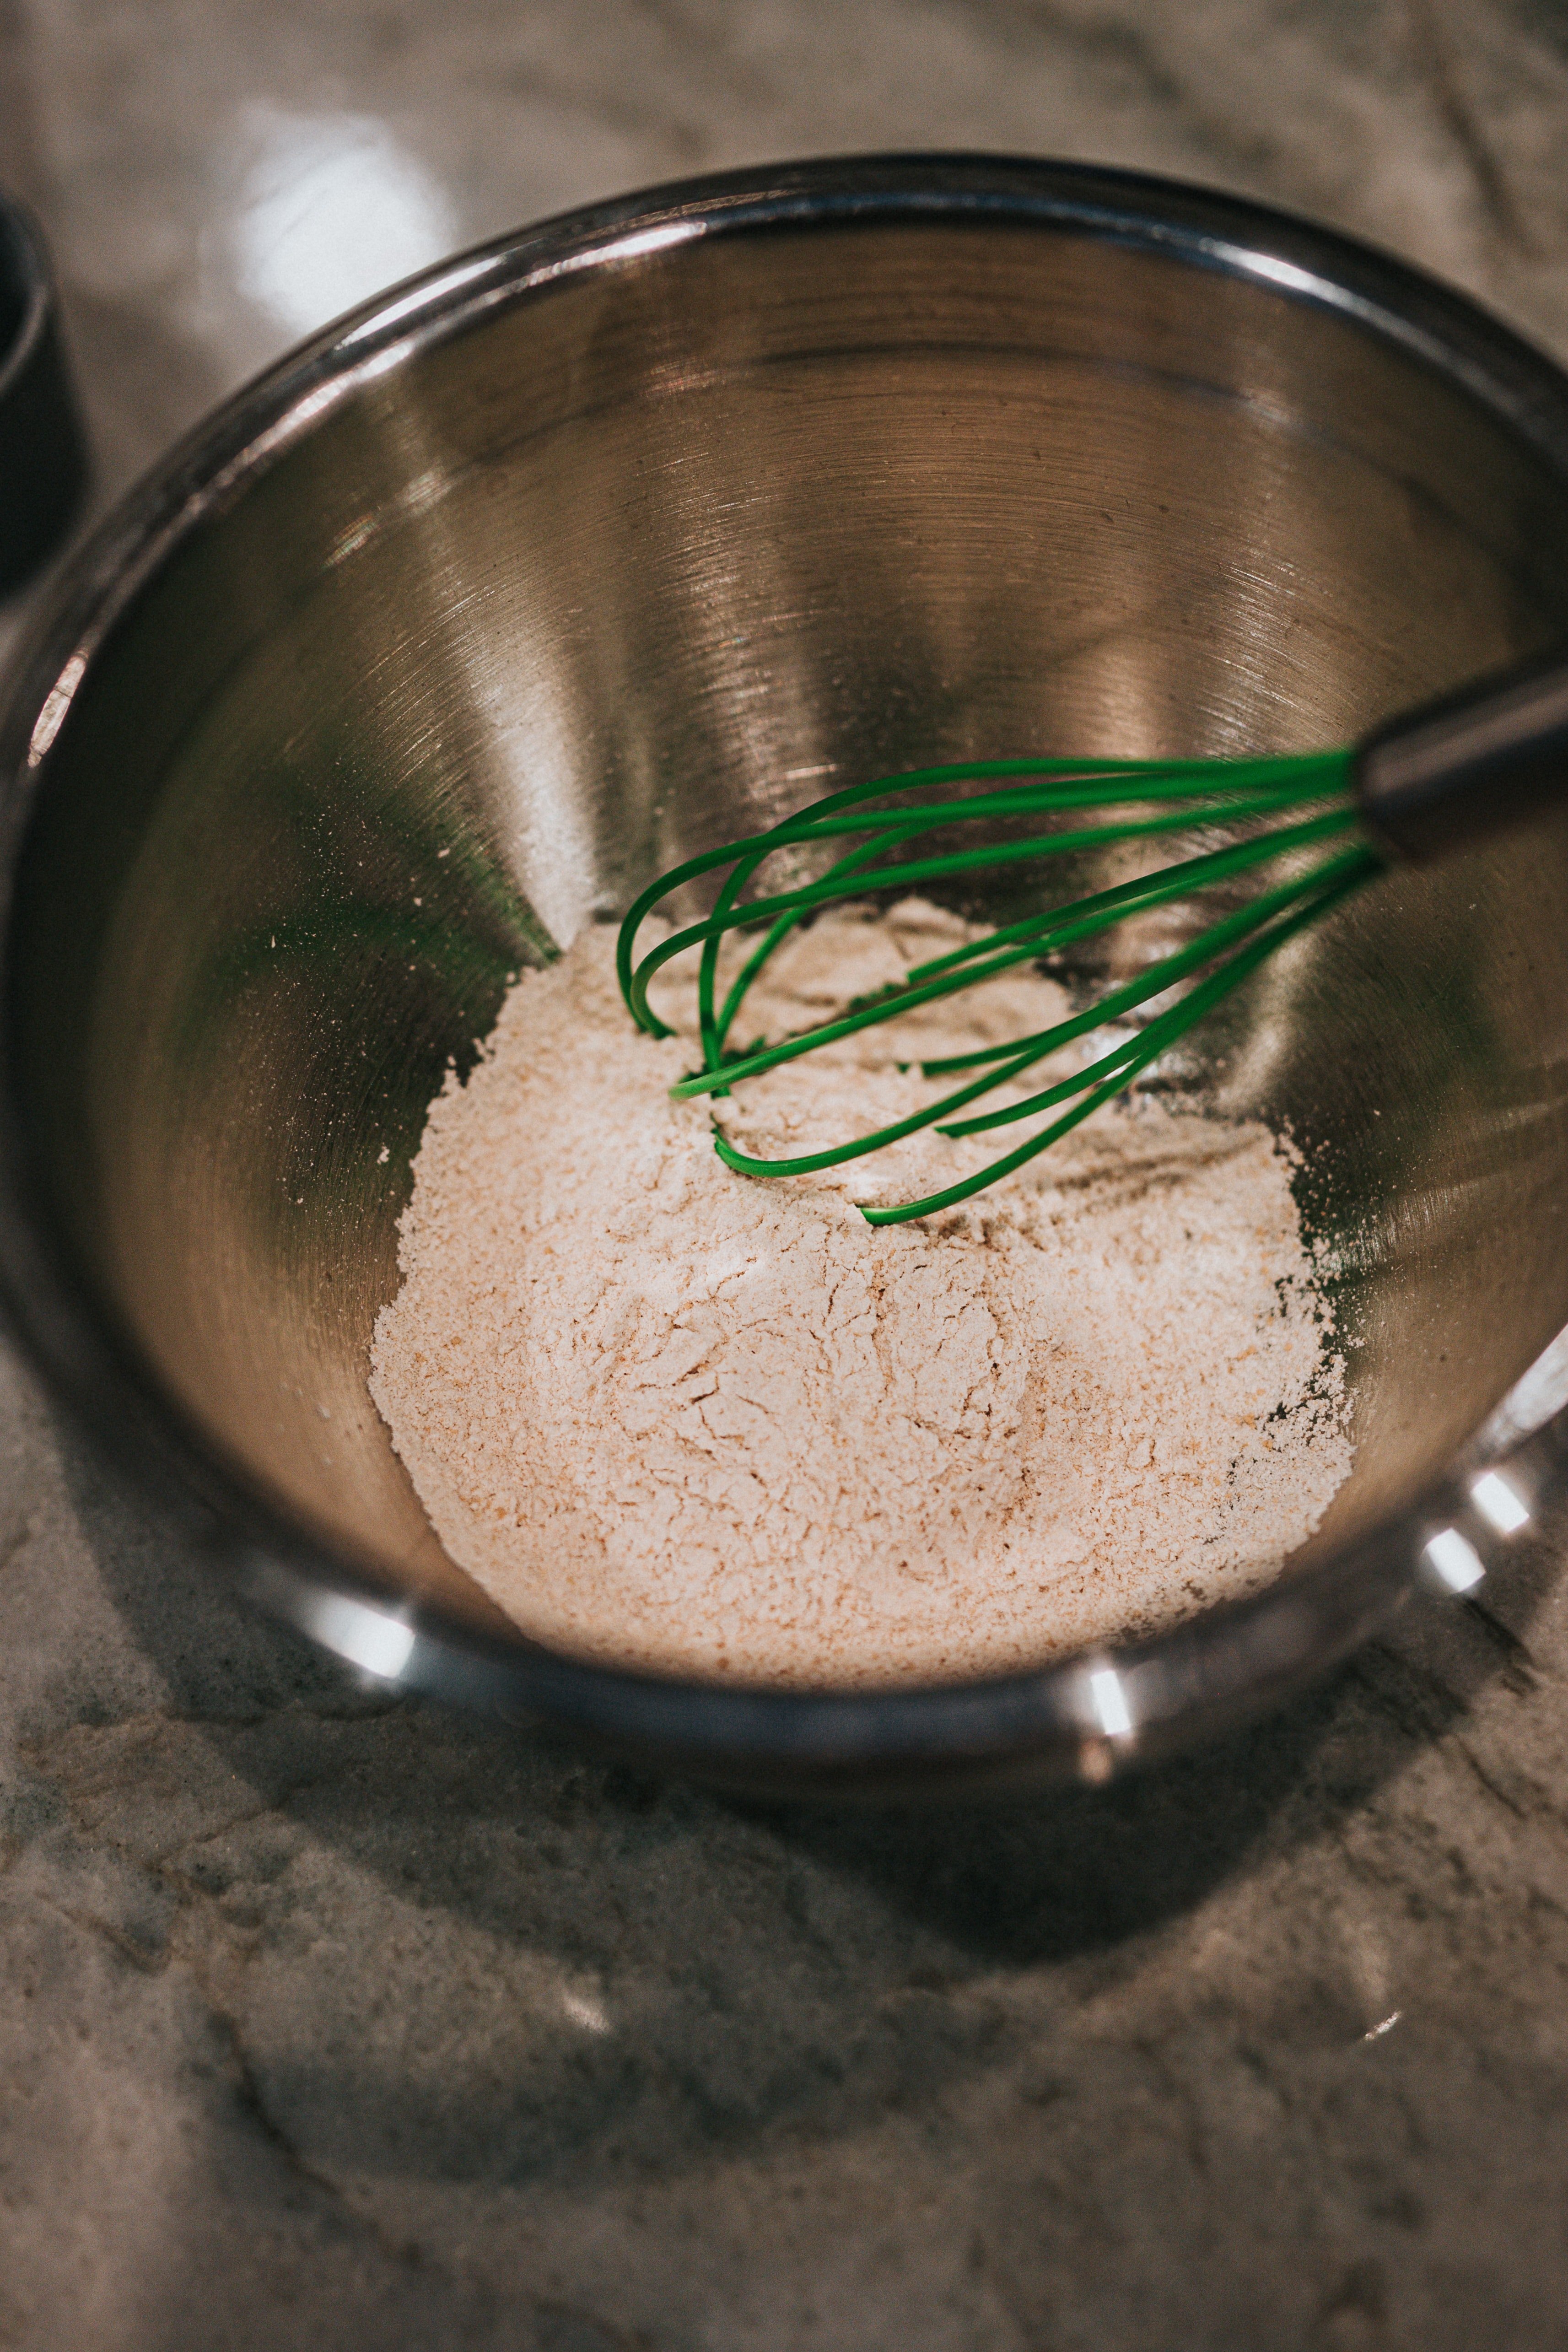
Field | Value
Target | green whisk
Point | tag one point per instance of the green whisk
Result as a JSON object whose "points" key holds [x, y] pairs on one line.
{"points": [[1442, 777]]}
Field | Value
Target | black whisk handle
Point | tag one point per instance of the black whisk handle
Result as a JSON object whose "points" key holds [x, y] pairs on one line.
{"points": [[1456, 771]]}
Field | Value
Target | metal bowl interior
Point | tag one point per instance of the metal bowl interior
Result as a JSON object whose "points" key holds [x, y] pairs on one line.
{"points": [[598, 549]]}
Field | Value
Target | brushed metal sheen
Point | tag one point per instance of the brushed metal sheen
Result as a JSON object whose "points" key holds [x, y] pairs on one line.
{"points": [[609, 542]]}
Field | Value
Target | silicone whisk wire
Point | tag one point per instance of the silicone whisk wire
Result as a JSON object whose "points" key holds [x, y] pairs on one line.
{"points": [[1131, 801]]}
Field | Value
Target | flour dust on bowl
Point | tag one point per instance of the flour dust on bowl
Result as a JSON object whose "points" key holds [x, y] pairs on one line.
{"points": [[614, 542]]}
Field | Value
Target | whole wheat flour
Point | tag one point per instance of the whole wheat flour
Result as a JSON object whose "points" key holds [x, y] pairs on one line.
{"points": [[669, 1416]]}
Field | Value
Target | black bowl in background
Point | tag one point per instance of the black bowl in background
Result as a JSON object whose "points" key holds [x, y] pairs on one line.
{"points": [[43, 468]]}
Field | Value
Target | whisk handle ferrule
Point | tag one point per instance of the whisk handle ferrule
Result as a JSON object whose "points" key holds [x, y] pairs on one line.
{"points": [[1458, 771]]}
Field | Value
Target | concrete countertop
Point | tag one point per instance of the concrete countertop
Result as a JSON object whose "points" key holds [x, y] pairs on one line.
{"points": [[325, 2019]]}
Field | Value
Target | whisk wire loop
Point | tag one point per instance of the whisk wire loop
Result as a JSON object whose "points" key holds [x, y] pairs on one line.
{"points": [[905, 875], [1270, 914], [1044, 935], [1150, 1046], [1159, 799], [1068, 783]]}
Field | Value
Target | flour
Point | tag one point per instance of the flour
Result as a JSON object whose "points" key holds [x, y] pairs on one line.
{"points": [[671, 1417]]}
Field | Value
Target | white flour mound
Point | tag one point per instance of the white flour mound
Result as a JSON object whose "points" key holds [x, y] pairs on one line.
{"points": [[672, 1417]]}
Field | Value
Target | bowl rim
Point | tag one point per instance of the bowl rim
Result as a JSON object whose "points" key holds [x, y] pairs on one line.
{"points": [[1086, 1715]]}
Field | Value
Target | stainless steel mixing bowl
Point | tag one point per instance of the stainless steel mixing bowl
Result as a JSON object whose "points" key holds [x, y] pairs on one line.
{"points": [[584, 552]]}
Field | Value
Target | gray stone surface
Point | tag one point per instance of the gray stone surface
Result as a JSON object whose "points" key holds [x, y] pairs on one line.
{"points": [[324, 2019]]}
